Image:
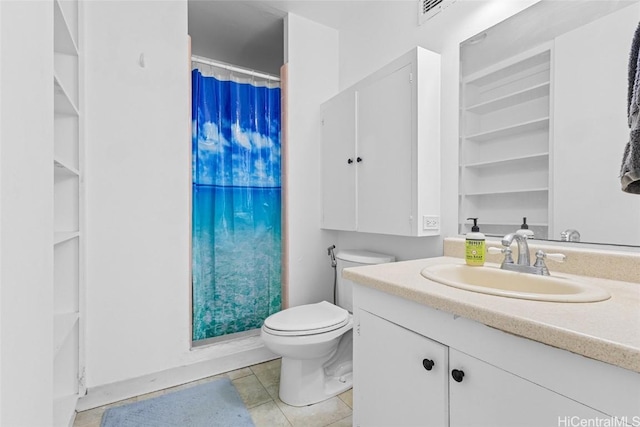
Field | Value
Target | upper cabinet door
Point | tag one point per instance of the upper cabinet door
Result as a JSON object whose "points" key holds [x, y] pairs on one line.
{"points": [[384, 147], [381, 151], [338, 169]]}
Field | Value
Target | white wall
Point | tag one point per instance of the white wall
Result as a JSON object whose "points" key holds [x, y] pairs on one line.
{"points": [[138, 187], [311, 51], [26, 213], [389, 31]]}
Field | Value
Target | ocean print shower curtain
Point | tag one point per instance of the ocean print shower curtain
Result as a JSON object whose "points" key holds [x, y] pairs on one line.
{"points": [[236, 241]]}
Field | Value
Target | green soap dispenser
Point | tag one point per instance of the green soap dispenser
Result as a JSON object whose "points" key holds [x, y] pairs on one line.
{"points": [[475, 245]]}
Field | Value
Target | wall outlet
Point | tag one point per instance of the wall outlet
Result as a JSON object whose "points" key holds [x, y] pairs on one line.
{"points": [[430, 222]]}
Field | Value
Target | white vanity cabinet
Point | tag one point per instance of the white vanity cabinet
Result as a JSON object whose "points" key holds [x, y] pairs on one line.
{"points": [[402, 376], [490, 396], [380, 151], [479, 376]]}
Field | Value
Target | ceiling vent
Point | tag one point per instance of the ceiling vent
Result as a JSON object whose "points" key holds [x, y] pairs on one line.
{"points": [[427, 9]]}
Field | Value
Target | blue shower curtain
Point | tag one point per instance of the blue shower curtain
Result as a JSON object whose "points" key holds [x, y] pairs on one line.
{"points": [[236, 242]]}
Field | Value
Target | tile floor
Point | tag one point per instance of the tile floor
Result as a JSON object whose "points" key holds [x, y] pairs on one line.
{"points": [[258, 387]]}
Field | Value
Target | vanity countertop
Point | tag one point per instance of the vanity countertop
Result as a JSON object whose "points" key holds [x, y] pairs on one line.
{"points": [[608, 331]]}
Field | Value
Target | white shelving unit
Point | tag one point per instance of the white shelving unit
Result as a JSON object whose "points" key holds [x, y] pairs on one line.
{"points": [[68, 238], [505, 145]]}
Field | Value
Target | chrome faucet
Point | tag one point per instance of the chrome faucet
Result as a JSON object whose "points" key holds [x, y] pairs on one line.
{"points": [[570, 235], [523, 264], [523, 247]]}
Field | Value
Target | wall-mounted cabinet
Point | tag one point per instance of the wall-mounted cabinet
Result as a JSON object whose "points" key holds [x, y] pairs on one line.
{"points": [[380, 151], [67, 220], [505, 144]]}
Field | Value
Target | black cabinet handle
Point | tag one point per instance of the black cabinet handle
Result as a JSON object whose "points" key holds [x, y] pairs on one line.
{"points": [[349, 161], [428, 364], [457, 375], [358, 159]]}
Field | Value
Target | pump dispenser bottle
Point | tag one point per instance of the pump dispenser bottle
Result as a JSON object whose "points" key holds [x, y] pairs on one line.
{"points": [[524, 229], [475, 245]]}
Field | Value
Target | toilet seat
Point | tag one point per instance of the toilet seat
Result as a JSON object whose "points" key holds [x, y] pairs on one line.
{"points": [[309, 319]]}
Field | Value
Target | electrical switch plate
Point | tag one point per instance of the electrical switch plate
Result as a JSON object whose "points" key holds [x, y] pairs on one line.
{"points": [[431, 222]]}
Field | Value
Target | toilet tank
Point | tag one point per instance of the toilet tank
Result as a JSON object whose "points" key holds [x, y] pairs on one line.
{"points": [[354, 258]]}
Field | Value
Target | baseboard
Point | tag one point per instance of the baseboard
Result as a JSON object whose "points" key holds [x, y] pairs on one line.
{"points": [[121, 390]]}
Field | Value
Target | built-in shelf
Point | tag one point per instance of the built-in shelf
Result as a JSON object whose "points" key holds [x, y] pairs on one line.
{"points": [[521, 65], [67, 203], [514, 225], [498, 162], [63, 41], [61, 168], [61, 100], [541, 123], [515, 191], [511, 100], [63, 324], [504, 143], [64, 236]]}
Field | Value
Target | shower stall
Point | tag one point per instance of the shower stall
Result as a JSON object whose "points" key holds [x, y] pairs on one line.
{"points": [[236, 200]]}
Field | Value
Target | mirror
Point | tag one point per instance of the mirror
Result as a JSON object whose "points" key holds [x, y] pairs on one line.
{"points": [[543, 123]]}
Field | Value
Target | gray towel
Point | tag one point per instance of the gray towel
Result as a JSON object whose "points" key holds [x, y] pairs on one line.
{"points": [[630, 170]]}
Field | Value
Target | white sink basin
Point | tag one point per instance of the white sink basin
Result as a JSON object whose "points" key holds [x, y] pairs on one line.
{"points": [[494, 281]]}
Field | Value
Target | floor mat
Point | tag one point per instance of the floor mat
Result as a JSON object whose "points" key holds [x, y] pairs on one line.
{"points": [[216, 403]]}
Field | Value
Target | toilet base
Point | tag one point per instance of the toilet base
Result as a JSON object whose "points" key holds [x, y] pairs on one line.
{"points": [[305, 382]]}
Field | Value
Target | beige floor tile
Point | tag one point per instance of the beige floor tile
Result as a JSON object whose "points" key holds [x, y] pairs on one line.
{"points": [[171, 390], [268, 415], [273, 390], [272, 364], [90, 418], [318, 415], [347, 397], [238, 373], [209, 379], [251, 391], [345, 422], [269, 376]]}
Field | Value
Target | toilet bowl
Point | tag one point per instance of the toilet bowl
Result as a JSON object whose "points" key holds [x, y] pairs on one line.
{"points": [[316, 340]]}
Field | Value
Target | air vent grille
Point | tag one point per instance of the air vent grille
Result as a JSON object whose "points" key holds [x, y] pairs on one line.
{"points": [[427, 9], [427, 5]]}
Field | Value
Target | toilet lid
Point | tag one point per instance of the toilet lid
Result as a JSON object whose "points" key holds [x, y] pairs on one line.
{"points": [[308, 319]]}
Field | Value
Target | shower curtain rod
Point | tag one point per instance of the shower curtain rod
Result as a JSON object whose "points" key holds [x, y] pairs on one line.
{"points": [[207, 61]]}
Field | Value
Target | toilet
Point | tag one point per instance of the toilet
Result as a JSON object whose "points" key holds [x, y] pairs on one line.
{"points": [[316, 340]]}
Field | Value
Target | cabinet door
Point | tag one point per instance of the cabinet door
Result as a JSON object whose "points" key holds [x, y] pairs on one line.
{"points": [[391, 385], [338, 162], [385, 140], [489, 396]]}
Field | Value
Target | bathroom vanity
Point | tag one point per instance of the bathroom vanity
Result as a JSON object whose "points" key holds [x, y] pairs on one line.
{"points": [[430, 354]]}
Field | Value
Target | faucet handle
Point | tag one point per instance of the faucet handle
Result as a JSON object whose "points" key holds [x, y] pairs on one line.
{"points": [[553, 257], [506, 251]]}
